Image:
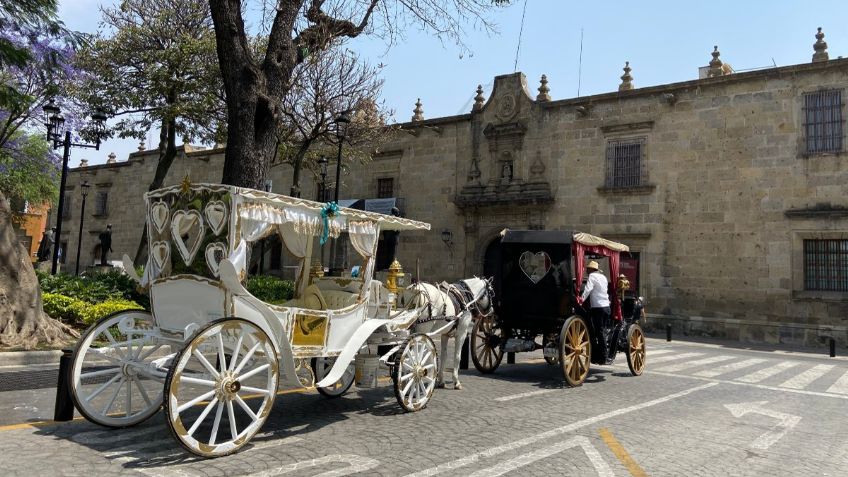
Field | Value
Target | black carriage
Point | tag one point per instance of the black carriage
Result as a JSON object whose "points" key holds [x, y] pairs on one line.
{"points": [[538, 278]]}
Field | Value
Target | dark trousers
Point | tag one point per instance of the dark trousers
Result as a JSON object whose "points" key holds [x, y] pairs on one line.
{"points": [[601, 324]]}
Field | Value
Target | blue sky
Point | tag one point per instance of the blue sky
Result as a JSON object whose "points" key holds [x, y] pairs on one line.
{"points": [[665, 42]]}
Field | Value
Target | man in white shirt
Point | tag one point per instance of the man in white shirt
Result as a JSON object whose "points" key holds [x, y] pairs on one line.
{"points": [[596, 290]]}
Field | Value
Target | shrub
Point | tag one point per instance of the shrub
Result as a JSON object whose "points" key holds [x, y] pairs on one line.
{"points": [[94, 288], [92, 313], [63, 308], [270, 289]]}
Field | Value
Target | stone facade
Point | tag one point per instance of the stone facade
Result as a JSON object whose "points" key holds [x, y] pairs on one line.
{"points": [[724, 198]]}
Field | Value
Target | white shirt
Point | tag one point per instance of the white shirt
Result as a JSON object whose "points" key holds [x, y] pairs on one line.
{"points": [[596, 287]]}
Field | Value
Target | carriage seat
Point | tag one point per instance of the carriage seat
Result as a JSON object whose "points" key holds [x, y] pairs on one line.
{"points": [[316, 299], [338, 299]]}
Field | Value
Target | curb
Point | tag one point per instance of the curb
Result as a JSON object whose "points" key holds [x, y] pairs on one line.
{"points": [[26, 358]]}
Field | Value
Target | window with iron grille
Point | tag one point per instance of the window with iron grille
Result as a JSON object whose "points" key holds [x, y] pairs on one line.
{"points": [[826, 265], [823, 121], [625, 163], [66, 207], [101, 203], [385, 188]]}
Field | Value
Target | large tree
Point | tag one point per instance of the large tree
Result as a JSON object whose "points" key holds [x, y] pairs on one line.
{"points": [[156, 68], [324, 87], [255, 89]]}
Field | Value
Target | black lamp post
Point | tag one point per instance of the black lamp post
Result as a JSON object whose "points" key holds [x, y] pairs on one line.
{"points": [[84, 189], [322, 190], [55, 123], [341, 130]]}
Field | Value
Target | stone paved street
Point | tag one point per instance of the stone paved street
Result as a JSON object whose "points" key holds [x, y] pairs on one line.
{"points": [[698, 410]]}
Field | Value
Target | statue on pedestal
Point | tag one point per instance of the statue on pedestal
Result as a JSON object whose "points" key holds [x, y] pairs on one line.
{"points": [[45, 248], [105, 244]]}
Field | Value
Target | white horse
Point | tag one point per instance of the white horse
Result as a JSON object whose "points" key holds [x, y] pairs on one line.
{"points": [[441, 304]]}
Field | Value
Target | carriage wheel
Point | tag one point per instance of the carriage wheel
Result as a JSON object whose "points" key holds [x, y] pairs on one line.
{"points": [[575, 350], [240, 388], [486, 339], [636, 350], [414, 372], [113, 380], [322, 366]]}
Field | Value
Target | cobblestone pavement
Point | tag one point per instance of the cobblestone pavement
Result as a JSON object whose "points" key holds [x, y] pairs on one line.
{"points": [[698, 410]]}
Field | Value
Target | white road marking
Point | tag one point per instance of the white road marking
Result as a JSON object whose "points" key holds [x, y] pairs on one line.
{"points": [[728, 368], [657, 352], [527, 394], [674, 357], [601, 467], [840, 386], [768, 438], [551, 433], [753, 385], [765, 373], [804, 379], [692, 364]]}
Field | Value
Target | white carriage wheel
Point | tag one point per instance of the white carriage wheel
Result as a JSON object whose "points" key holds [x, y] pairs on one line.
{"points": [[414, 372], [322, 366], [114, 380], [229, 367]]}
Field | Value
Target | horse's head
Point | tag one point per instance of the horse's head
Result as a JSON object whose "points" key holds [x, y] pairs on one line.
{"points": [[484, 293]]}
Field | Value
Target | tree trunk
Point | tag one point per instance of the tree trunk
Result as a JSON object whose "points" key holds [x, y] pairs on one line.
{"points": [[167, 154], [297, 165], [23, 323]]}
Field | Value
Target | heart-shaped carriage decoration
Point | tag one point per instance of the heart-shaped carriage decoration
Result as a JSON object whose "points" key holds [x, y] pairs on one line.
{"points": [[535, 266]]}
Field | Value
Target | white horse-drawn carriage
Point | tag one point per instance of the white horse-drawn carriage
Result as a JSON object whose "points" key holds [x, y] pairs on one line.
{"points": [[215, 356]]}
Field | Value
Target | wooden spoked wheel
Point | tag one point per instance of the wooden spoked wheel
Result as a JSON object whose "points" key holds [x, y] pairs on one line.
{"points": [[114, 379], [486, 339], [215, 409], [636, 350], [322, 366], [414, 372], [575, 350]]}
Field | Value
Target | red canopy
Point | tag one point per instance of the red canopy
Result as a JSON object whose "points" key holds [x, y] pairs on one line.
{"points": [[581, 247]]}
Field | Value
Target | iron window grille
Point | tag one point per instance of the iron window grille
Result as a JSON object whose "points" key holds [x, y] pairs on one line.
{"points": [[101, 207], [625, 163], [823, 121], [826, 265], [385, 188]]}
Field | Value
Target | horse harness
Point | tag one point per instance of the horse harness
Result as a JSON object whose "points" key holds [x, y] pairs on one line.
{"points": [[459, 294]]}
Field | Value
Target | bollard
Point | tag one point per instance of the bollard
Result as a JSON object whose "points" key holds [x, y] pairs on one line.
{"points": [[510, 358], [64, 410], [463, 357], [668, 332], [832, 348]]}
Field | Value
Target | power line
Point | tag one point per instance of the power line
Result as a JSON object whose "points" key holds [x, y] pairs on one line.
{"points": [[520, 32], [580, 63]]}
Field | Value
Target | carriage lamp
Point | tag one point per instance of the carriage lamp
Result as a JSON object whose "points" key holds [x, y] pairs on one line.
{"points": [[60, 137], [447, 237], [341, 131]]}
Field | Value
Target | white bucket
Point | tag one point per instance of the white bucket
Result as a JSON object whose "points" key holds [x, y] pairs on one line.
{"points": [[366, 370]]}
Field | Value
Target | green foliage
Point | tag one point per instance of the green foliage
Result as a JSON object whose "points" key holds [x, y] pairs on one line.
{"points": [[92, 313], [270, 289], [63, 308], [27, 172], [95, 288]]}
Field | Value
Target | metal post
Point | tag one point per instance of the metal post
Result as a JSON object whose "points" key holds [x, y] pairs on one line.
{"points": [[339, 170], [668, 332], [832, 348], [61, 206], [463, 357], [79, 237], [64, 409], [510, 358]]}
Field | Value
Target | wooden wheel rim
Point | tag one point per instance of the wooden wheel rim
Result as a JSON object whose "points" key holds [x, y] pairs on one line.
{"points": [[123, 366], [486, 355], [415, 378], [637, 350], [251, 355], [576, 351]]}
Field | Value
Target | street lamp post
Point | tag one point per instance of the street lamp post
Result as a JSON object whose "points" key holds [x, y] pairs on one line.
{"points": [[341, 130], [84, 189], [322, 191], [55, 123]]}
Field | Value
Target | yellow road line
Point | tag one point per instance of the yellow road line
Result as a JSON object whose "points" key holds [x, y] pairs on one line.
{"points": [[39, 424], [621, 453]]}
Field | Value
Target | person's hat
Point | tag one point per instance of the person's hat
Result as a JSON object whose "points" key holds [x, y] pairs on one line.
{"points": [[592, 265]]}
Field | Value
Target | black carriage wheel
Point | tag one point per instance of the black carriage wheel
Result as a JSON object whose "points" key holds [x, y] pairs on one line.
{"points": [[486, 338], [341, 386], [636, 349], [575, 350]]}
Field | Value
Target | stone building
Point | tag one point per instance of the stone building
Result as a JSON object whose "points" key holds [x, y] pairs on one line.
{"points": [[731, 189]]}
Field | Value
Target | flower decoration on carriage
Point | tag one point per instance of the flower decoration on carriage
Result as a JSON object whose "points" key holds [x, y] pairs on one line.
{"points": [[329, 211]]}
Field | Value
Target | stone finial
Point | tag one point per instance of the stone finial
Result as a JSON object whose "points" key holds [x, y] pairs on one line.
{"points": [[626, 79], [418, 113], [112, 158], [479, 100], [83, 163], [544, 91], [715, 63], [141, 146], [820, 46]]}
